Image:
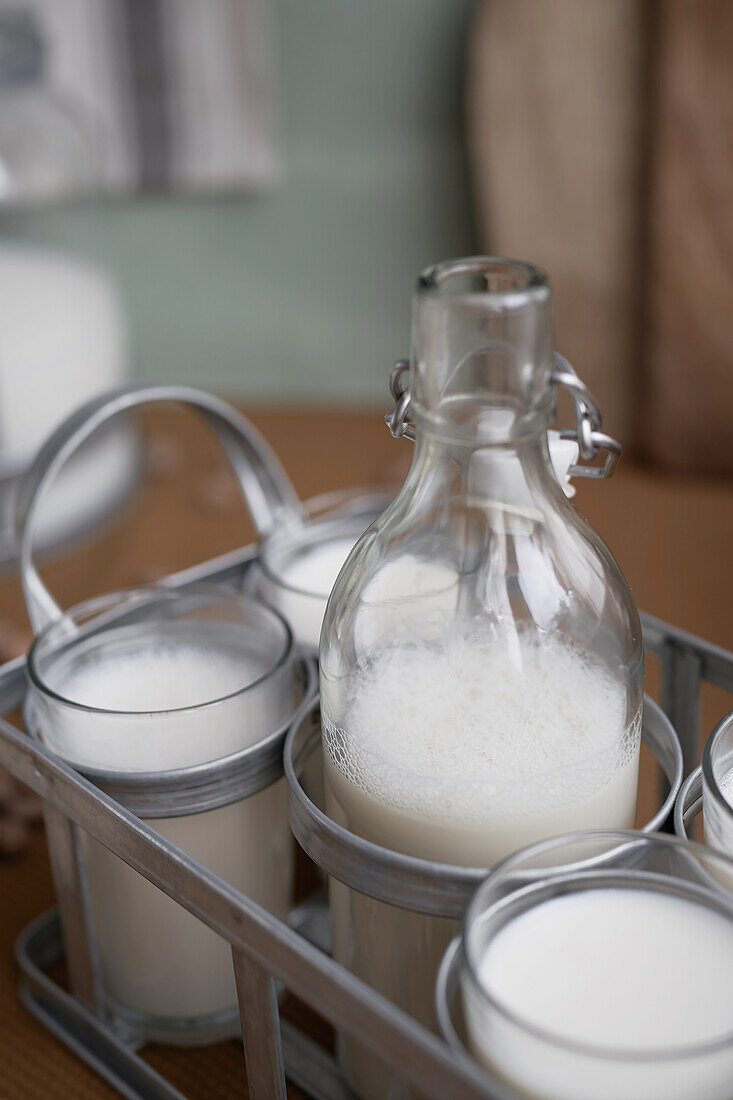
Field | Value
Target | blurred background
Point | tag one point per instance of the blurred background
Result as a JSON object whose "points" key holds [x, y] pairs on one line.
{"points": [[239, 193], [266, 177]]}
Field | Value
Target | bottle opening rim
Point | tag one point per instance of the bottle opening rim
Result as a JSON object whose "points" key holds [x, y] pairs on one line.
{"points": [[492, 281]]}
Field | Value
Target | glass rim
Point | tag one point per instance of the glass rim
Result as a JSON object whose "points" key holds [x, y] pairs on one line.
{"points": [[648, 1054], [221, 592], [435, 282], [710, 782]]}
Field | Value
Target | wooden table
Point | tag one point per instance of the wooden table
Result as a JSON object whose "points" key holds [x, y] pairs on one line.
{"points": [[673, 537]]}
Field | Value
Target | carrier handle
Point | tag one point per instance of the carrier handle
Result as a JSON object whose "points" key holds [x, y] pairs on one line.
{"points": [[266, 488]]}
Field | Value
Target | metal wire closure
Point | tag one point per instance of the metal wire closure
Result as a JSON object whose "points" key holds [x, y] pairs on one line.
{"points": [[591, 440], [588, 434], [398, 421]]}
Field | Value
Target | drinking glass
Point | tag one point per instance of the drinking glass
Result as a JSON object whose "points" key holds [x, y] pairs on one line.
{"points": [[161, 696], [599, 964]]}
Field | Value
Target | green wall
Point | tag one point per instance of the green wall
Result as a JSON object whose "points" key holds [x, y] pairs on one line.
{"points": [[305, 292]]}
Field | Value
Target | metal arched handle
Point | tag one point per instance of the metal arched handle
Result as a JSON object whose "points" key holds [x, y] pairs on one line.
{"points": [[265, 486]]}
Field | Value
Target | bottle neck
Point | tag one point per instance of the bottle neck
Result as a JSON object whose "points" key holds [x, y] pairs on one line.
{"points": [[481, 362], [520, 475]]}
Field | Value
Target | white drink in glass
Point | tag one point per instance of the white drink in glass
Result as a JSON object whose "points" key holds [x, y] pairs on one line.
{"points": [[300, 590], [157, 960], [463, 752], [632, 980]]}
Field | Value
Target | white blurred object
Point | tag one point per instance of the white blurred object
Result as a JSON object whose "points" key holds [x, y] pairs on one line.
{"points": [[63, 339], [63, 332]]}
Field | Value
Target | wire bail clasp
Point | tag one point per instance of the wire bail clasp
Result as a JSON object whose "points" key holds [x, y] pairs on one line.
{"points": [[398, 421], [588, 434]]}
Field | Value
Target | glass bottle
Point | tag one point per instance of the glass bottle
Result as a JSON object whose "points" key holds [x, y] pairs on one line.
{"points": [[481, 656]]}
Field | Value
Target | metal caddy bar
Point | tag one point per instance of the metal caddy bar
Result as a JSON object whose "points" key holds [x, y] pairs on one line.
{"points": [[265, 949], [686, 662]]}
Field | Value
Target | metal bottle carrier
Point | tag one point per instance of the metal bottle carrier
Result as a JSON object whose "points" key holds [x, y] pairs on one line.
{"points": [[265, 951]]}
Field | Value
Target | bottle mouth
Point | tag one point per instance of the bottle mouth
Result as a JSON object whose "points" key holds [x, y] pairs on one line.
{"points": [[511, 284], [482, 349]]}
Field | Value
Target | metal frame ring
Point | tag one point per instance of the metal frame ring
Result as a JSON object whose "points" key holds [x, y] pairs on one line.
{"points": [[688, 804], [420, 885]]}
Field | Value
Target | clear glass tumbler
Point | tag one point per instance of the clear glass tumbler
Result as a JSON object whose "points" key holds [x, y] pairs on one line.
{"points": [[601, 965], [157, 682]]}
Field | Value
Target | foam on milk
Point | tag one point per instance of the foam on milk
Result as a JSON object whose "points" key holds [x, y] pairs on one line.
{"points": [[132, 688], [158, 677], [473, 731]]}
